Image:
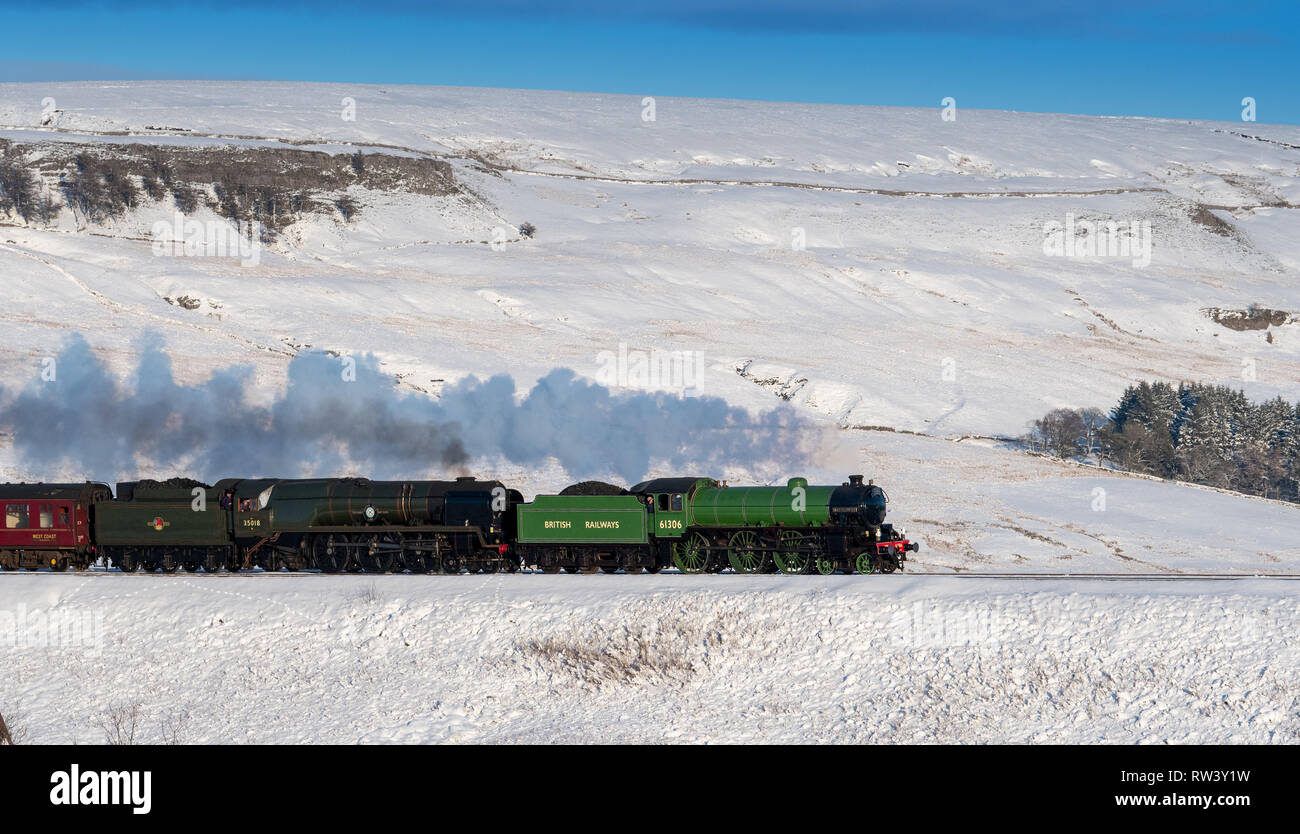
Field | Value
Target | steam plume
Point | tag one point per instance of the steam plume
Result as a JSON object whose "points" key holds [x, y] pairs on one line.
{"points": [[321, 424]]}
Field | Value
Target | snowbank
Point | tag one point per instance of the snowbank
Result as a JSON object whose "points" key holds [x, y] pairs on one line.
{"points": [[650, 659]]}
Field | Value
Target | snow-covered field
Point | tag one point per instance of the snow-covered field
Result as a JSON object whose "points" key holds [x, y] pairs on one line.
{"points": [[880, 271], [652, 659]]}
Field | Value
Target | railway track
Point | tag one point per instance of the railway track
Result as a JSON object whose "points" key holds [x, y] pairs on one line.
{"points": [[1112, 577], [1085, 577]]}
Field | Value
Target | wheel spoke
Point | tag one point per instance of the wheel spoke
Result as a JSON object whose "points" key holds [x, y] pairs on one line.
{"points": [[329, 556], [793, 558], [743, 553], [691, 555]]}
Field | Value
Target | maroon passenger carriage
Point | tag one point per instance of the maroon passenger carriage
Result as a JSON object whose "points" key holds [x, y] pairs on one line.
{"points": [[47, 525]]}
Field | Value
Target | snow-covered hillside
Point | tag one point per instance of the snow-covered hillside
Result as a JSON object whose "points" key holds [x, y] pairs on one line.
{"points": [[649, 659], [871, 267]]}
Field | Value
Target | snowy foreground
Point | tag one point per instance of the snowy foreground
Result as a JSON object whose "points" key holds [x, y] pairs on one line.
{"points": [[653, 659]]}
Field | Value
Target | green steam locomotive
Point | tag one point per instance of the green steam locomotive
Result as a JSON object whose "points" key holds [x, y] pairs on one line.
{"points": [[701, 526]]}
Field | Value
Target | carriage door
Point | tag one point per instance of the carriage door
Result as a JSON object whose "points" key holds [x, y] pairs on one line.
{"points": [[45, 534], [63, 525]]}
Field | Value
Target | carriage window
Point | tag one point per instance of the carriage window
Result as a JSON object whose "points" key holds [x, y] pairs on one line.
{"points": [[663, 502], [63, 516], [47, 516], [16, 517], [677, 503]]}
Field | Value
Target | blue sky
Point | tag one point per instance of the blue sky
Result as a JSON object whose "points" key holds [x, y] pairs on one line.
{"points": [[1182, 59]]}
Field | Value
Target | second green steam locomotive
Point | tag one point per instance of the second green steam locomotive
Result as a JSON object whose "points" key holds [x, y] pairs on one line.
{"points": [[701, 526]]}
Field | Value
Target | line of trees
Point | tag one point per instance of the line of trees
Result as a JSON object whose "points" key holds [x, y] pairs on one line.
{"points": [[1205, 434], [98, 187], [20, 190], [270, 187]]}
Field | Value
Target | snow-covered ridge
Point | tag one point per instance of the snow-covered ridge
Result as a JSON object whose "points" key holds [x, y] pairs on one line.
{"points": [[617, 135]]}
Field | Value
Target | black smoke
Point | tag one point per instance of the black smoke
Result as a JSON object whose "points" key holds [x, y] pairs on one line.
{"points": [[87, 420]]}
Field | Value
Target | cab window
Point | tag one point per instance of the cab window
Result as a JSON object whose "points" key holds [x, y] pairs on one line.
{"points": [[677, 503], [16, 517], [47, 516], [663, 501], [63, 516]]}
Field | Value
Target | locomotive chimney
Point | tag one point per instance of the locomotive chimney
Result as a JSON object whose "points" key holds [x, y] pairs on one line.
{"points": [[855, 480]]}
